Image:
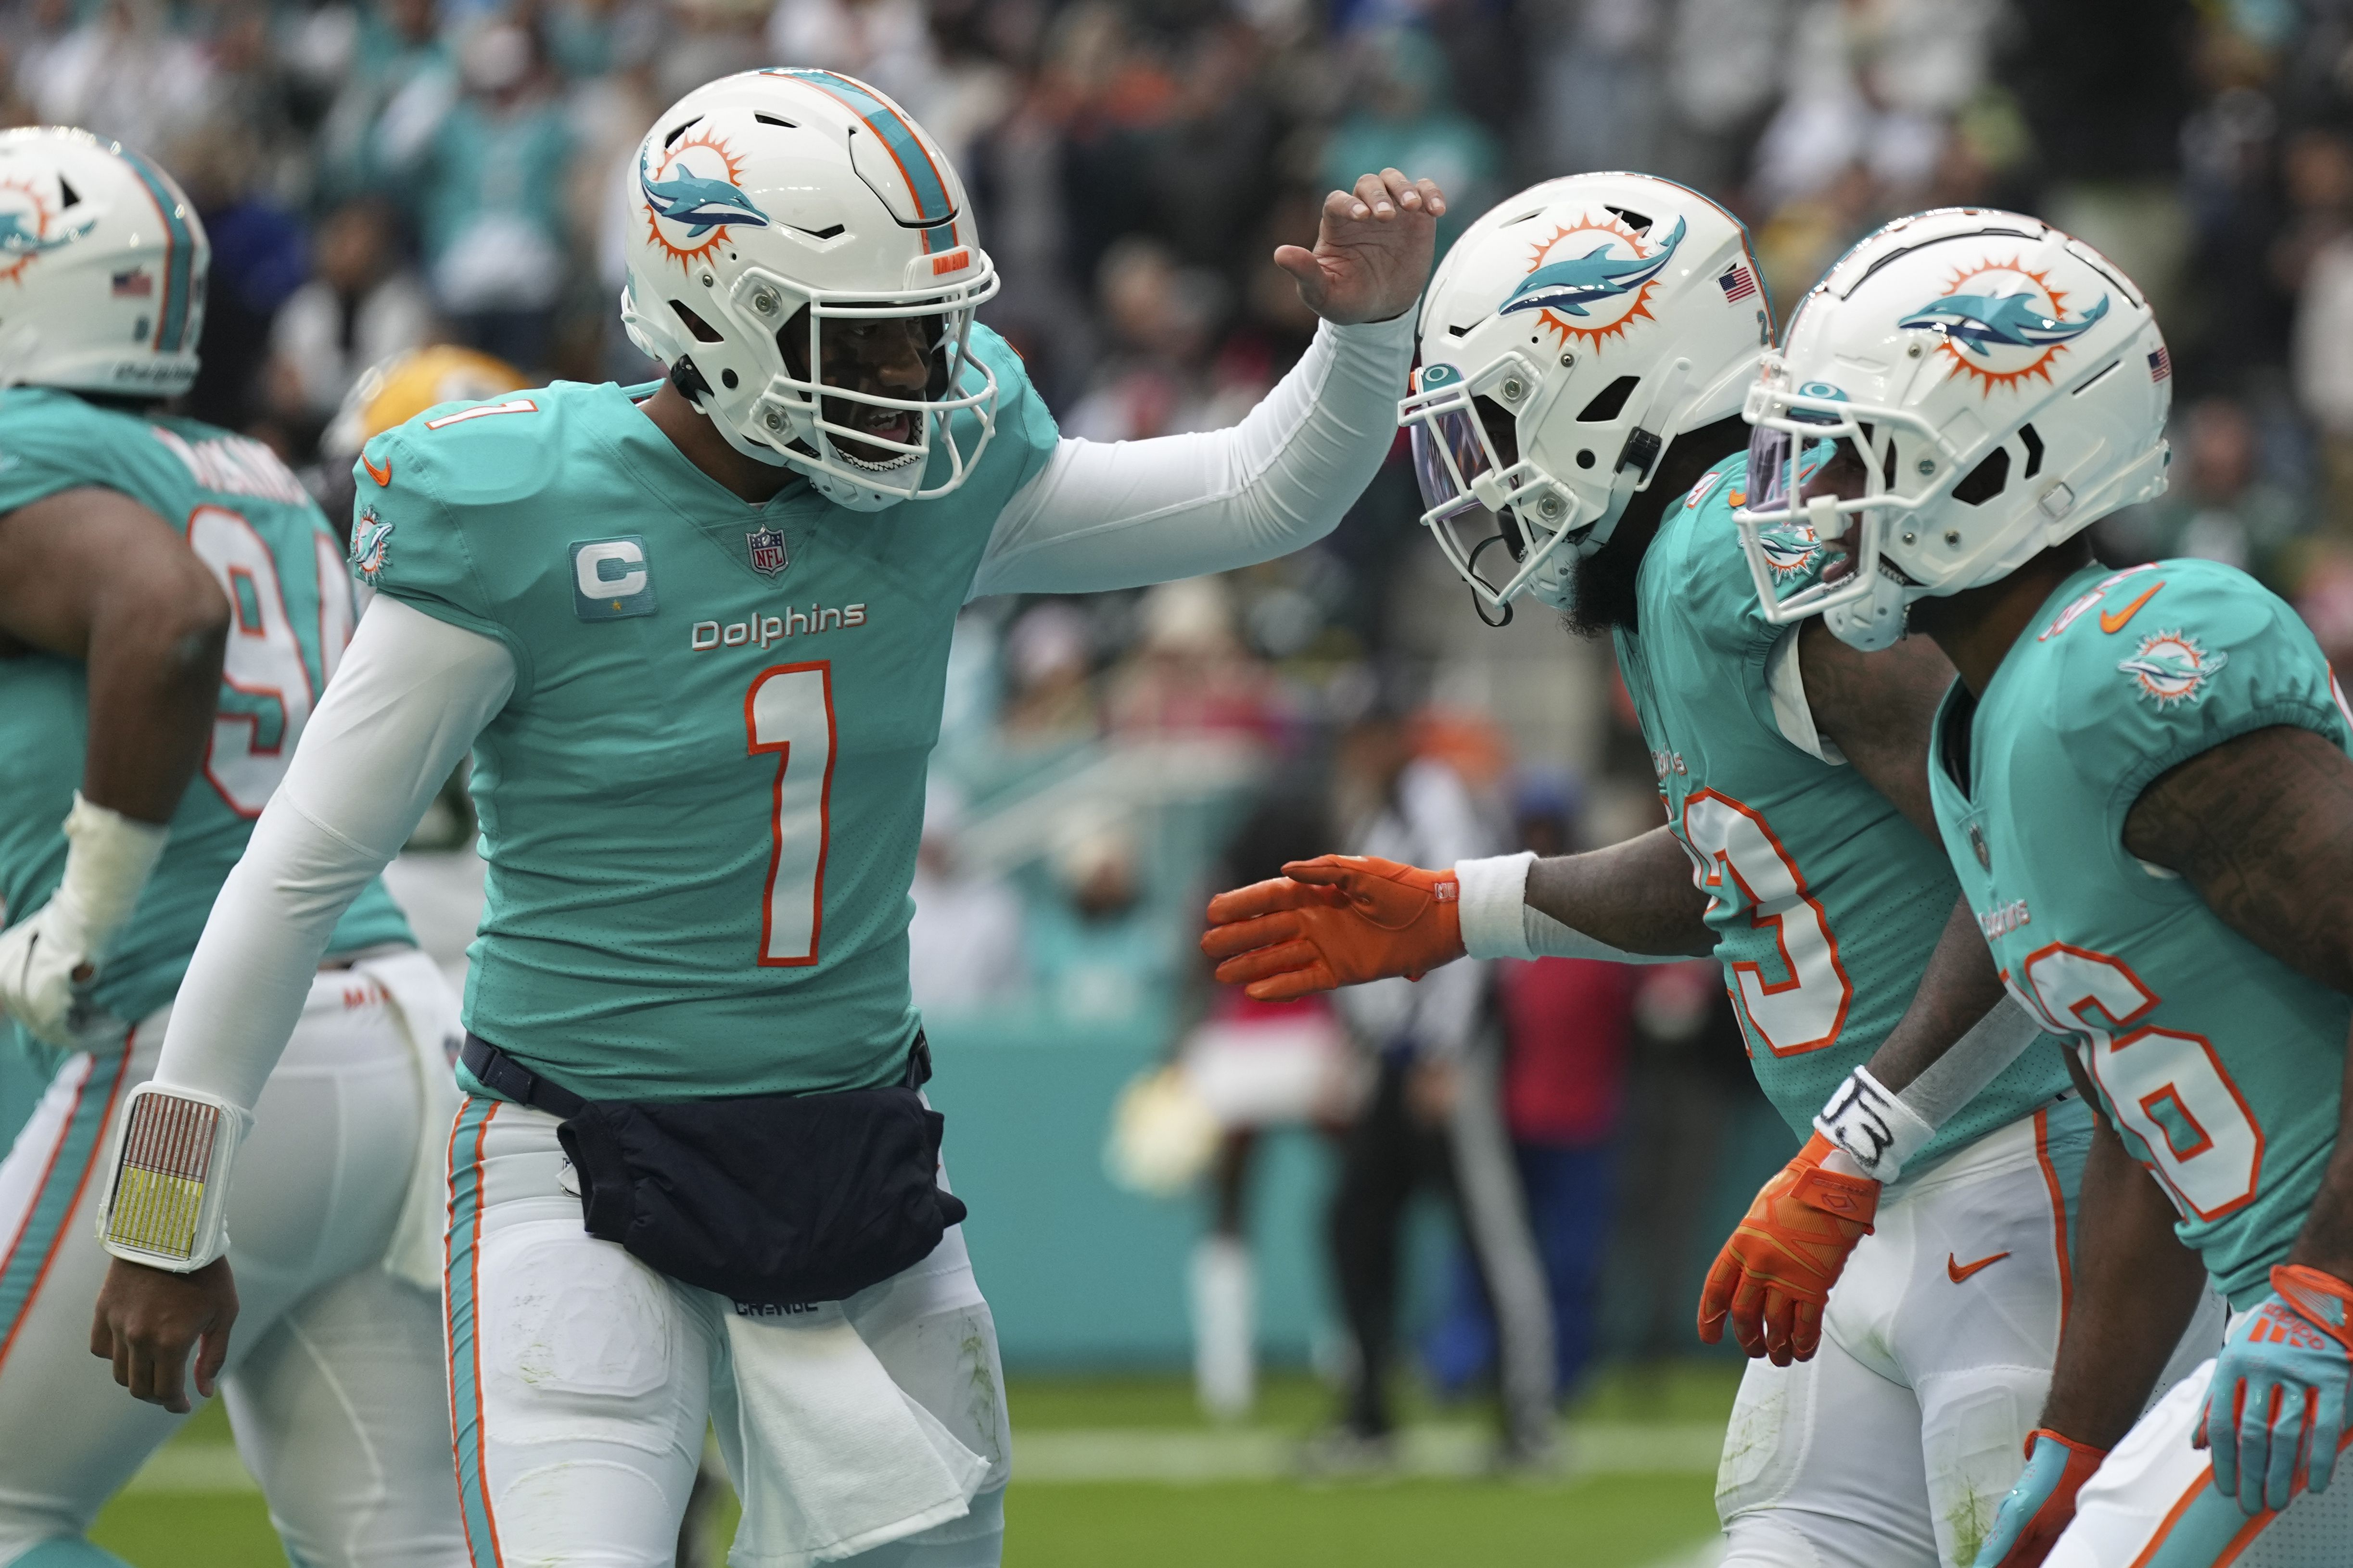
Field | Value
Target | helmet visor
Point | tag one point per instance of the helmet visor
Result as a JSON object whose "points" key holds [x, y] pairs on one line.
{"points": [[1451, 451]]}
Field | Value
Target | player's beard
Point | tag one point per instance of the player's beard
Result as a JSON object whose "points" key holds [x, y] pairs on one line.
{"points": [[1602, 593]]}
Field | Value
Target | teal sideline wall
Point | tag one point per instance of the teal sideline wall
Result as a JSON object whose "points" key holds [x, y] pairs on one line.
{"points": [[1080, 1274]]}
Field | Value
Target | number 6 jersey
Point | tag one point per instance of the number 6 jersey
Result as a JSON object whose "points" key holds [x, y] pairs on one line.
{"points": [[2219, 1064], [1825, 902], [249, 521], [701, 801]]}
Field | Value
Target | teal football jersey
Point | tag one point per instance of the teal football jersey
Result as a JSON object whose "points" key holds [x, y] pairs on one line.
{"points": [[2219, 1064], [701, 806], [1825, 902], [248, 520]]}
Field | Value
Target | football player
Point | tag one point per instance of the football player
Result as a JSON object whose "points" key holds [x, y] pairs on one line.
{"points": [[1586, 350], [2142, 783], [171, 604], [695, 634]]}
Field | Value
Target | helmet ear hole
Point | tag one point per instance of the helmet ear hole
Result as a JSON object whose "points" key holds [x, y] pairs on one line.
{"points": [[1985, 481], [2034, 443], [704, 332], [1609, 402]]}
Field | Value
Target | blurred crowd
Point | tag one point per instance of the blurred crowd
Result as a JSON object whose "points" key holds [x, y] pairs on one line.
{"points": [[378, 175]]}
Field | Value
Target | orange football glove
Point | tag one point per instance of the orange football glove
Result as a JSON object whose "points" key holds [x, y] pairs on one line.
{"points": [[1334, 921], [1773, 1276]]}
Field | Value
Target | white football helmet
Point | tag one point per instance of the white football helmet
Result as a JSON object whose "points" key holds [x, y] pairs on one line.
{"points": [[1994, 385], [102, 264], [1590, 320], [803, 202]]}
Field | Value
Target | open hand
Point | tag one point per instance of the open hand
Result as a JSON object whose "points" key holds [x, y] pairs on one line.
{"points": [[149, 1319], [1338, 920], [1372, 251]]}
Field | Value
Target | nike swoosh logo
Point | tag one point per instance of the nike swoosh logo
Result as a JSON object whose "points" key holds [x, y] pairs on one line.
{"points": [[2114, 620], [384, 476], [1959, 1270]]}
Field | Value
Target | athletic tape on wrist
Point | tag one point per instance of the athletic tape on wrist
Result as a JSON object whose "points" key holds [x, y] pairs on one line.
{"points": [[1876, 1129], [167, 1184], [108, 857], [1495, 890]]}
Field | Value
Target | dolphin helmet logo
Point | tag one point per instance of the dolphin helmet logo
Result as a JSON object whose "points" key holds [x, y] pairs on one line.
{"points": [[2001, 323], [1980, 322], [705, 203], [29, 230], [2171, 666], [1592, 293], [1580, 281]]}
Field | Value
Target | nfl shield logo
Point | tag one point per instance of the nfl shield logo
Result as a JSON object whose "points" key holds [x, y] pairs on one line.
{"points": [[768, 553]]}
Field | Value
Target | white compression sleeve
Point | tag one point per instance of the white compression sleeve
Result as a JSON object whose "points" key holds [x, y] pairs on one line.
{"points": [[1123, 514], [405, 704], [1498, 921]]}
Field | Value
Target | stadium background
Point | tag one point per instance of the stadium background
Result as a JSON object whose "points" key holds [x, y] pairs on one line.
{"points": [[379, 174]]}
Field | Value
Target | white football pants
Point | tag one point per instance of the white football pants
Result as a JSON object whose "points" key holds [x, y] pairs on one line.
{"points": [[2152, 1504], [582, 1379], [1894, 1447], [333, 1382]]}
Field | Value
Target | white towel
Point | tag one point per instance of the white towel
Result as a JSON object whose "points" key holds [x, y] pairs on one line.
{"points": [[426, 1009], [837, 1459]]}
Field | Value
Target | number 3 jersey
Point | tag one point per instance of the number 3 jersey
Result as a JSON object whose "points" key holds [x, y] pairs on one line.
{"points": [[249, 520], [700, 804], [1825, 902], [2219, 1064]]}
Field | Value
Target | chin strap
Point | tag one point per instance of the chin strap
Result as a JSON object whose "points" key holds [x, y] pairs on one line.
{"points": [[167, 1184]]}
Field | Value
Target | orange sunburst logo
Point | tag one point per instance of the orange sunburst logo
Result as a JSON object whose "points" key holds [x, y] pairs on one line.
{"points": [[1603, 286], [2001, 323], [692, 197], [30, 227]]}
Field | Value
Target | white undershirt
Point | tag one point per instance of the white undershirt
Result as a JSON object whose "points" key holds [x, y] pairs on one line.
{"points": [[412, 691]]}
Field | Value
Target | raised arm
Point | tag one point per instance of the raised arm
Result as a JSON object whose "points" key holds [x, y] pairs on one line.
{"points": [[90, 574], [1120, 515], [405, 704]]}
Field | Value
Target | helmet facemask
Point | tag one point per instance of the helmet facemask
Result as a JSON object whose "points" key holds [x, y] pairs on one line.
{"points": [[1479, 492], [1814, 434]]}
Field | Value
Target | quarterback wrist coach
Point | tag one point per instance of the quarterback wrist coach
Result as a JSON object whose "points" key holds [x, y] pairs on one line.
{"points": [[703, 1190], [167, 1196]]}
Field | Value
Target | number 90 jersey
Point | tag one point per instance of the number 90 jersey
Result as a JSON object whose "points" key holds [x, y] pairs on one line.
{"points": [[1825, 902], [701, 805], [2219, 1064], [249, 520]]}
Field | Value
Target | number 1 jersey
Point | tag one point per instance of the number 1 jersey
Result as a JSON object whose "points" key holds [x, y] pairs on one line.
{"points": [[700, 804], [249, 520], [1825, 902]]}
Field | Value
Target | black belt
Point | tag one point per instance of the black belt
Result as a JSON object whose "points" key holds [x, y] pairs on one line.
{"points": [[508, 1078]]}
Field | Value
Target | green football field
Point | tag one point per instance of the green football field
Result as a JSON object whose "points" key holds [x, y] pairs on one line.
{"points": [[1124, 1470]]}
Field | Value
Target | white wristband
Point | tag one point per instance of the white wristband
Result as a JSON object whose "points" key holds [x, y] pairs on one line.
{"points": [[1498, 921], [108, 857], [1494, 893], [1873, 1125], [167, 1192]]}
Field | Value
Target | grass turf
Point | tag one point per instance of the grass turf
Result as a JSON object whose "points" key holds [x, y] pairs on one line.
{"points": [[1615, 1521]]}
